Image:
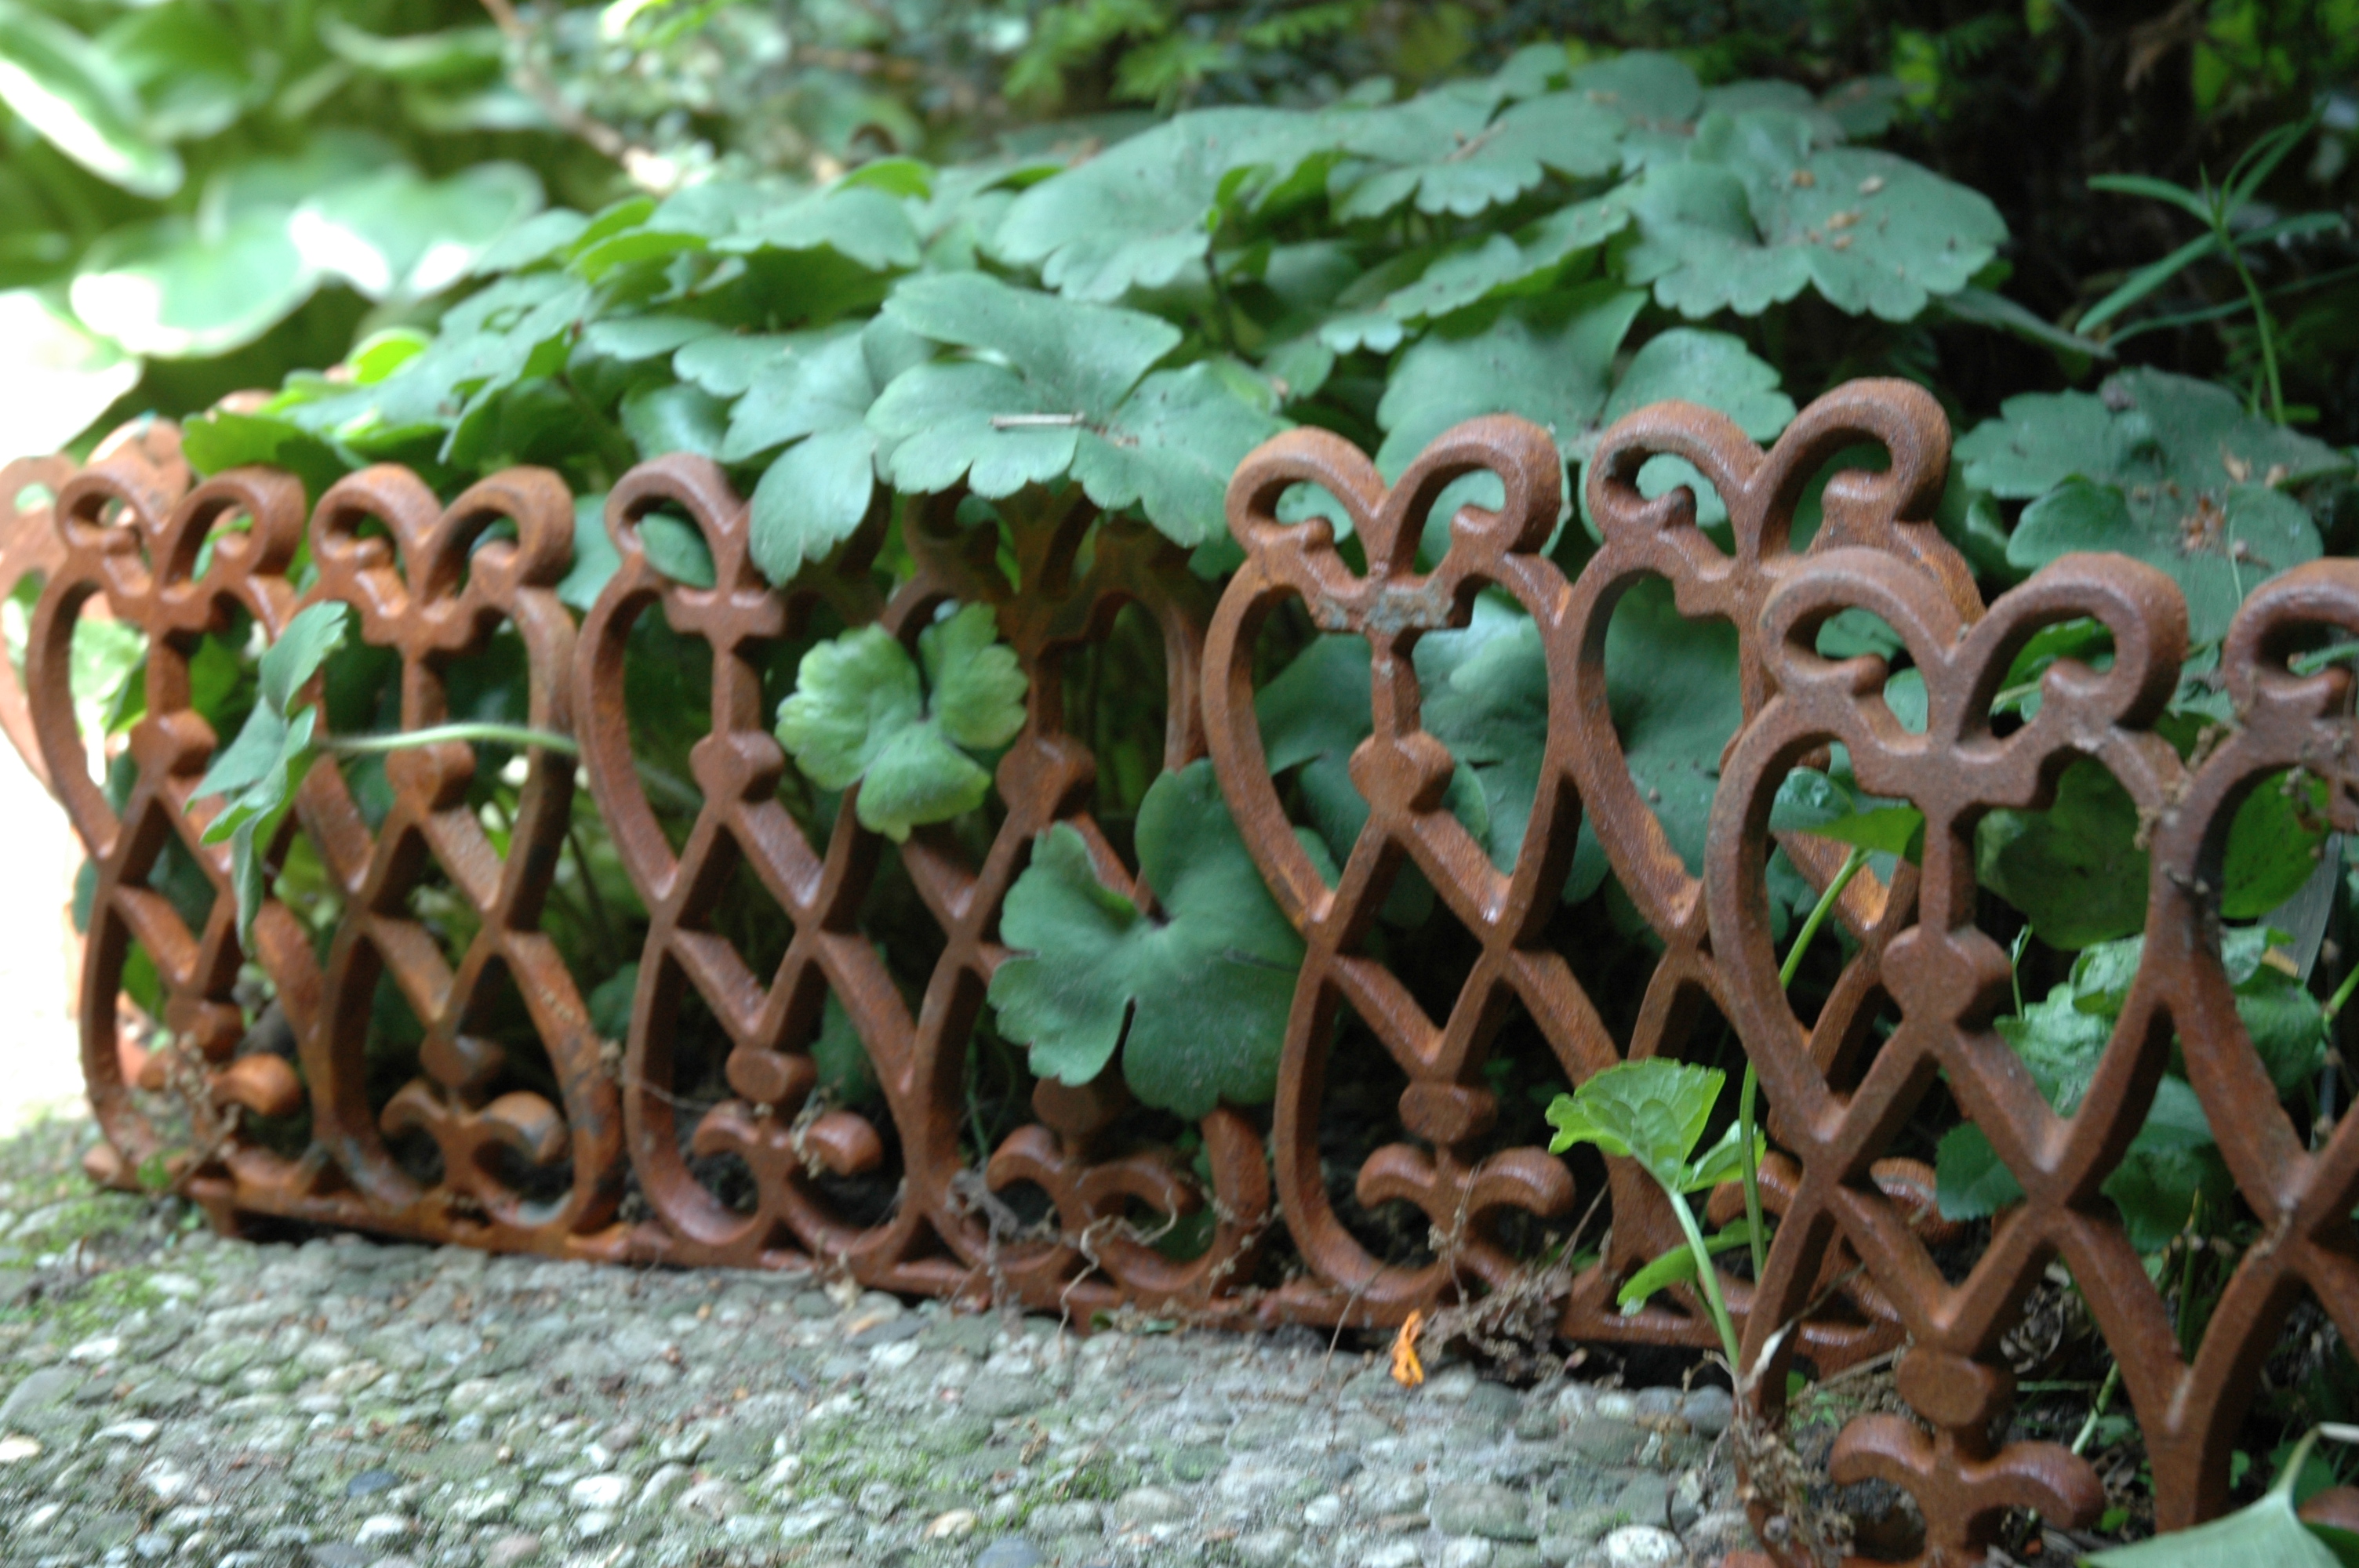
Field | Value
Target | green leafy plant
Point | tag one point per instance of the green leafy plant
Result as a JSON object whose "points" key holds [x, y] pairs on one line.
{"points": [[1656, 1112], [2233, 229], [257, 774], [857, 715]]}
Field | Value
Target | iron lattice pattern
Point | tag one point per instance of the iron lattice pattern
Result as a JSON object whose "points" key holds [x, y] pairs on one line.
{"points": [[539, 1154]]}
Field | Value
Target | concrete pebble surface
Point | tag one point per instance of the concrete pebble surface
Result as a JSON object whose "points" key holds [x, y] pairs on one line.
{"points": [[346, 1403]]}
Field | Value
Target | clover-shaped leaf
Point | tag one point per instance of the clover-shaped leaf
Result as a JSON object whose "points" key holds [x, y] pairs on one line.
{"points": [[1755, 214], [2166, 468], [858, 716], [1195, 995]]}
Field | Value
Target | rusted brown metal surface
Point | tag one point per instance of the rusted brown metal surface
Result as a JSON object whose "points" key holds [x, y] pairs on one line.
{"points": [[541, 1155]]}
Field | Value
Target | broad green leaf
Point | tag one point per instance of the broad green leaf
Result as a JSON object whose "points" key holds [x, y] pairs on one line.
{"points": [[1548, 359], [1140, 212], [1170, 449], [397, 235], [1196, 996], [534, 240], [1678, 1267], [1643, 85], [259, 771], [2156, 1189], [857, 717], [221, 440], [75, 98], [1446, 159], [2219, 549], [1672, 684], [517, 327], [379, 354], [2061, 1044], [1486, 698], [938, 424], [1970, 1182], [2160, 467], [2268, 1534], [918, 776], [675, 547], [169, 290], [727, 364], [1723, 1161], [241, 765], [55, 377], [1714, 369], [1081, 358], [2074, 870], [1494, 267], [2078, 873], [631, 338], [1756, 215], [866, 226], [191, 70], [1653, 1111], [678, 418], [1886, 829], [812, 498], [594, 556], [454, 52], [806, 383]]}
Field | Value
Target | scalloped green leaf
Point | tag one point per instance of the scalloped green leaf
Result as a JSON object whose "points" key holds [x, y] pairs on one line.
{"points": [[2166, 468], [1548, 359], [1437, 153], [1170, 449], [1756, 213], [1142, 211], [1195, 996]]}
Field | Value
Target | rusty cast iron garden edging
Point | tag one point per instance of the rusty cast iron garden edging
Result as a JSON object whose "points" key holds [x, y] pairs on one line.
{"points": [[133, 537]]}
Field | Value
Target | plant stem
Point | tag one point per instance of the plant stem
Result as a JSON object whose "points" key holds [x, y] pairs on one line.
{"points": [[493, 734], [2105, 1397], [2261, 323], [1708, 1280], [2342, 996], [1749, 1097]]}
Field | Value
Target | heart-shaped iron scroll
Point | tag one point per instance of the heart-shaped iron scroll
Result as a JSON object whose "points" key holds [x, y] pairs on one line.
{"points": [[1403, 771], [436, 585], [178, 564], [940, 1236], [1838, 1097]]}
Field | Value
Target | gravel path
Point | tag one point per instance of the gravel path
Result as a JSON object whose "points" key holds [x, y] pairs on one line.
{"points": [[178, 1398]]}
